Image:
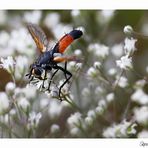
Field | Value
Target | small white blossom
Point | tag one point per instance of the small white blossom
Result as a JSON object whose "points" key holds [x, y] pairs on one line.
{"points": [[52, 20], [33, 16], [128, 30], [54, 128], [4, 102], [75, 13], [123, 129], [99, 50], [75, 131], [140, 84], [23, 103], [10, 87], [97, 65], [140, 97], [130, 45], [78, 52], [110, 97], [141, 114], [33, 120], [123, 82], [54, 109], [8, 64], [117, 50], [74, 119], [143, 134], [125, 62], [92, 72], [88, 120], [91, 113], [112, 71], [44, 103]]}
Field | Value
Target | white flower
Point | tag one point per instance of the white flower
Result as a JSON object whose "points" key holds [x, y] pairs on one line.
{"points": [[74, 119], [141, 114], [105, 16], [91, 113], [4, 102], [75, 13], [75, 131], [112, 71], [92, 72], [33, 120], [10, 87], [3, 16], [128, 30], [55, 109], [117, 50], [143, 134], [23, 103], [97, 65], [123, 82], [33, 16], [88, 120], [99, 50], [78, 52], [140, 84], [129, 45], [4, 38], [44, 102], [110, 97], [54, 128], [8, 64], [140, 97], [52, 20], [125, 62], [123, 129]]}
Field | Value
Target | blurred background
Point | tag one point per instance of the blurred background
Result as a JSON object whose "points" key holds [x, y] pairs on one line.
{"points": [[103, 31]]}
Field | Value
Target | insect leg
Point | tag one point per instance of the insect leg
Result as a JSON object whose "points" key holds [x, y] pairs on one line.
{"points": [[67, 79], [44, 79], [52, 78]]}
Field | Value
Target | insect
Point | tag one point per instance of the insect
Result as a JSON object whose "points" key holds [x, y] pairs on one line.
{"points": [[50, 57]]}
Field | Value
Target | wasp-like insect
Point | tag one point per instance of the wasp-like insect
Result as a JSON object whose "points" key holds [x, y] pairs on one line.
{"points": [[50, 57]]}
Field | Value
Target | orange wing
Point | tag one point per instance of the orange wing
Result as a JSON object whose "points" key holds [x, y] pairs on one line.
{"points": [[38, 36]]}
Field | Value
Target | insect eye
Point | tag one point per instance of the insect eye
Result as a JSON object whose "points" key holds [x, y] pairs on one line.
{"points": [[37, 71]]}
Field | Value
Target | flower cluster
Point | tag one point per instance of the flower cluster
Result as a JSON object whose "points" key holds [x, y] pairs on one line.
{"points": [[106, 96]]}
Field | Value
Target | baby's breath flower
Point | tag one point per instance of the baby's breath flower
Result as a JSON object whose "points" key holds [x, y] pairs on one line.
{"points": [[33, 120], [88, 120], [54, 109], [140, 97], [33, 16], [99, 50], [122, 82], [23, 103], [125, 62], [139, 84], [86, 91], [4, 102], [112, 71], [91, 113], [143, 134], [10, 88], [75, 13], [75, 131], [52, 20], [78, 52], [123, 129], [110, 97], [117, 50], [97, 65], [8, 64], [54, 128], [130, 46], [74, 119], [92, 72], [44, 102], [128, 30], [141, 115]]}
